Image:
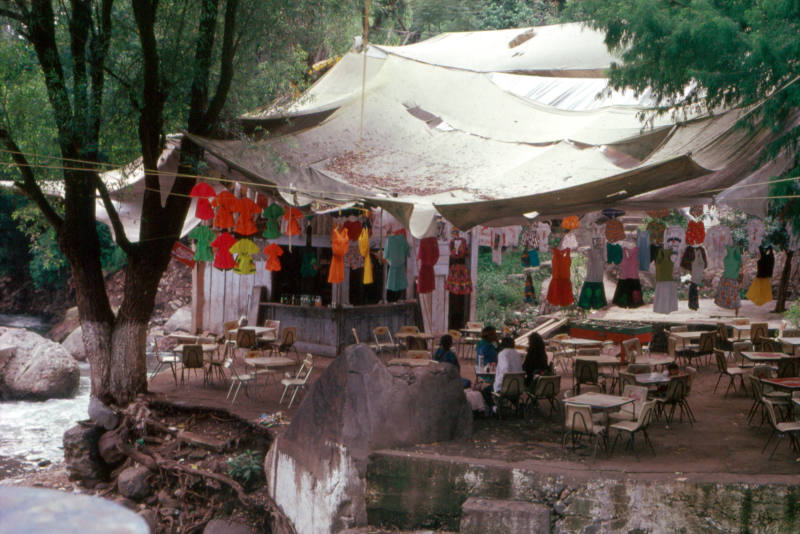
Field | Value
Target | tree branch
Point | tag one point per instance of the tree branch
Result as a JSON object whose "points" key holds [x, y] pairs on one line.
{"points": [[28, 184], [202, 67], [113, 215], [226, 64]]}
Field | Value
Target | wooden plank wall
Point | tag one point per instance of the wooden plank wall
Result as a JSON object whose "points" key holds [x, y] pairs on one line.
{"points": [[226, 293]]}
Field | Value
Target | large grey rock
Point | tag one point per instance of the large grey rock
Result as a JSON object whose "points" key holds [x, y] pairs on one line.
{"points": [[503, 517], [102, 414], [222, 526], [81, 454], [68, 323], [316, 470], [74, 344], [40, 369], [180, 320], [134, 483]]}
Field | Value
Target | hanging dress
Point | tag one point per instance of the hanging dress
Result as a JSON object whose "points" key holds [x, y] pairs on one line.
{"points": [[271, 215], [760, 291], [529, 296], [340, 242], [695, 233], [543, 236], [458, 279], [560, 291], [695, 261], [353, 259], [717, 238], [244, 250], [292, 216], [203, 235], [428, 255], [665, 299], [755, 234], [245, 225], [729, 285], [363, 249], [353, 227], [224, 259], [643, 244], [629, 289], [593, 294], [202, 192], [224, 203], [395, 253], [273, 253]]}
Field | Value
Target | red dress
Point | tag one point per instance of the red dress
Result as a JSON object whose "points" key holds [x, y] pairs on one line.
{"points": [[246, 209], [224, 259], [225, 203], [340, 243], [560, 291], [353, 229], [202, 191], [428, 255], [273, 253], [292, 215], [695, 233]]}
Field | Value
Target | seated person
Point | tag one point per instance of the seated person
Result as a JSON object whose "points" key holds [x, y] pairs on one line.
{"points": [[671, 370], [508, 361], [486, 347], [535, 359], [445, 355]]}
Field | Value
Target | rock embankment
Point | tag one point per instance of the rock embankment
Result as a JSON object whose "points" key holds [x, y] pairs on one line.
{"points": [[38, 369]]}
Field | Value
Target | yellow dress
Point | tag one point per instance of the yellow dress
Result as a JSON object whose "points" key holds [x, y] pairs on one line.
{"points": [[363, 248]]}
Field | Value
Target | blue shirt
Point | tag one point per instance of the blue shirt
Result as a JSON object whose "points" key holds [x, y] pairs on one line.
{"points": [[487, 350], [446, 357]]}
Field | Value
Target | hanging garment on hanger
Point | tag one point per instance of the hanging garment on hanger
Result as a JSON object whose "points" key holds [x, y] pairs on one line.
{"points": [[353, 259], [244, 250], [202, 192], [629, 289], [760, 290], [695, 233], [292, 217], [223, 259], [755, 234], [395, 253], [717, 237], [697, 268], [614, 231], [458, 279], [543, 236], [643, 244], [614, 253], [203, 235], [428, 255], [656, 229], [353, 227], [559, 293], [272, 215], [527, 236], [529, 295], [273, 253], [363, 249], [593, 294], [224, 203], [246, 209], [340, 243], [665, 299], [729, 285]]}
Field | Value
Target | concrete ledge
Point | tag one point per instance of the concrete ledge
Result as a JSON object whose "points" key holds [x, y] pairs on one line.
{"points": [[503, 517]]}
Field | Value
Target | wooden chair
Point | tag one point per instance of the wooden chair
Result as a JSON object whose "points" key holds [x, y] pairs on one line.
{"points": [[192, 358], [372, 346], [299, 381], [409, 329], [229, 337]]}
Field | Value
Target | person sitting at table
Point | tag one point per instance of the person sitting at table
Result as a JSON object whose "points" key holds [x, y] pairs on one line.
{"points": [[445, 355], [486, 346], [671, 370], [535, 363], [508, 361]]}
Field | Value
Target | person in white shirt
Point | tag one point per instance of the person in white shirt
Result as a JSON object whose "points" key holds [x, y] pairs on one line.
{"points": [[508, 361]]}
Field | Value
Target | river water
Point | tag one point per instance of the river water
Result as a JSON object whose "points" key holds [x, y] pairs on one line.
{"points": [[31, 432]]}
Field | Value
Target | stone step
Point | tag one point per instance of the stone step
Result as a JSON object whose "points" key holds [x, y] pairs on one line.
{"points": [[480, 515]]}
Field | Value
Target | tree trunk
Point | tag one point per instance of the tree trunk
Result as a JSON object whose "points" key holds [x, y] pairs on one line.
{"points": [[780, 304]]}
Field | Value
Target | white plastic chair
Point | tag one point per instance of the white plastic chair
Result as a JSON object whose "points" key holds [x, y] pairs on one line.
{"points": [[299, 381]]}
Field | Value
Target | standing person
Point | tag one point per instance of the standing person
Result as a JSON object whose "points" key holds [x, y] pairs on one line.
{"points": [[508, 361], [535, 359], [445, 355], [486, 350]]}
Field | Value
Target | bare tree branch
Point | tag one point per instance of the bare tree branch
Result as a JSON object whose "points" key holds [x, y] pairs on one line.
{"points": [[113, 215]]}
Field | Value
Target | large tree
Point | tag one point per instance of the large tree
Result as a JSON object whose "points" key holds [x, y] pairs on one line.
{"points": [[107, 69], [715, 54]]}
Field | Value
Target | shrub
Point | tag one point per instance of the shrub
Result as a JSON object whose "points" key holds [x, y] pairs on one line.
{"points": [[246, 469]]}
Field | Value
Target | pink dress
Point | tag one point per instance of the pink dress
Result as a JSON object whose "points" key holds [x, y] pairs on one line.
{"points": [[629, 289]]}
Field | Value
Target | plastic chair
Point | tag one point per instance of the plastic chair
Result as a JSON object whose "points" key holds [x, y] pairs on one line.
{"points": [[730, 372], [737, 347], [373, 346], [192, 358], [237, 380], [246, 340], [705, 347], [170, 360], [409, 329], [632, 348], [791, 429], [578, 422], [299, 381], [546, 387], [628, 412], [511, 391], [267, 338], [384, 340], [286, 343], [586, 373], [639, 425], [675, 396]]}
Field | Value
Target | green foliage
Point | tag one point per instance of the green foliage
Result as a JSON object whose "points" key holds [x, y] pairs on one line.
{"points": [[792, 314], [246, 469], [14, 255], [499, 14]]}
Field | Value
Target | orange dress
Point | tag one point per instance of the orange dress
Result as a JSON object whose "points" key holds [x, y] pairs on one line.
{"points": [[340, 243], [560, 291], [273, 253], [224, 203], [293, 226], [246, 209]]}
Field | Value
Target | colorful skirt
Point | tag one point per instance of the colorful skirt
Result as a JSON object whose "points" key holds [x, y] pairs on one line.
{"points": [[760, 291], [560, 292], [665, 299], [728, 294], [593, 296], [458, 280], [628, 293]]}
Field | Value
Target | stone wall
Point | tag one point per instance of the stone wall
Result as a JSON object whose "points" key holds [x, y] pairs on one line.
{"points": [[413, 491]]}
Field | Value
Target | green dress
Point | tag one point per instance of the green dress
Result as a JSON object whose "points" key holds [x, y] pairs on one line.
{"points": [[272, 214], [395, 253], [203, 235]]}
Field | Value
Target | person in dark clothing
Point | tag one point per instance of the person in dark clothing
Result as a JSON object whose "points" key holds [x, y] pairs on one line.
{"points": [[535, 359], [445, 355]]}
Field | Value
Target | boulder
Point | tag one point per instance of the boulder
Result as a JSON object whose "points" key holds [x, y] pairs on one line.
{"points": [[102, 414], [180, 320], [82, 456], [40, 369], [66, 326], [134, 483], [316, 470], [74, 344]]}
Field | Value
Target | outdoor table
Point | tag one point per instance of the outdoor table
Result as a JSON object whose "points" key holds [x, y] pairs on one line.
{"points": [[579, 342], [259, 330], [764, 356], [739, 328], [610, 361], [207, 348], [410, 362], [689, 336], [789, 384], [656, 361], [647, 379], [268, 362], [794, 342], [183, 337], [407, 336], [601, 402]]}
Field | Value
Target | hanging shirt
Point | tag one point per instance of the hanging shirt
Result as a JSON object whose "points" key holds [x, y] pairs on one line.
{"points": [[363, 249], [395, 252], [224, 203], [202, 191], [428, 255], [755, 234], [699, 264], [656, 229], [273, 253], [594, 271], [308, 263], [353, 259], [246, 209], [614, 231], [766, 263], [614, 253], [664, 266], [340, 242], [629, 266], [272, 229], [542, 236], [292, 216], [224, 259], [353, 229], [569, 241], [203, 235], [675, 239], [643, 243], [717, 238], [571, 222], [527, 236], [732, 263], [695, 233], [244, 250]]}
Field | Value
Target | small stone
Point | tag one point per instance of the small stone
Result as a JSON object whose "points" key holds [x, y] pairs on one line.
{"points": [[43, 463], [134, 483]]}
